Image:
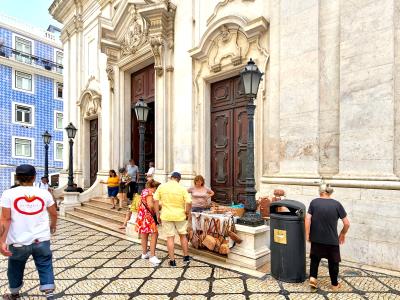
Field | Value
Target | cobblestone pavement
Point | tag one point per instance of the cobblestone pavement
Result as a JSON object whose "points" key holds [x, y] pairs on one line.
{"points": [[90, 264]]}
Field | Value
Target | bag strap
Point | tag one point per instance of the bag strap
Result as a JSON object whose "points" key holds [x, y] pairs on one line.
{"points": [[145, 205]]}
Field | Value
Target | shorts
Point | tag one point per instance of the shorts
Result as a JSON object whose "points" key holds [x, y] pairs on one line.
{"points": [[169, 227], [112, 191], [123, 187]]}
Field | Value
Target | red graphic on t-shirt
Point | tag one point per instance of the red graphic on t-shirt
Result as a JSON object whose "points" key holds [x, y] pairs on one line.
{"points": [[29, 205]]}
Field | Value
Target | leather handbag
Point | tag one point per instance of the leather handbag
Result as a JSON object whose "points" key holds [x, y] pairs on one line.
{"points": [[209, 240], [224, 247], [195, 240], [232, 232]]}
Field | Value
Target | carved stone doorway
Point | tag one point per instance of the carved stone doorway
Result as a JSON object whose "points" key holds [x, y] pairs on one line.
{"points": [[228, 141], [143, 87], [94, 154]]}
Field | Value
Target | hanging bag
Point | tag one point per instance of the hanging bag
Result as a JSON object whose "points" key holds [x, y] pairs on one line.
{"points": [[209, 240], [224, 247], [195, 240], [232, 232]]}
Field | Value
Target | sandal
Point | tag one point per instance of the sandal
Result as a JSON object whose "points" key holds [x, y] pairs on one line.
{"points": [[336, 288], [313, 282], [122, 227], [113, 207]]}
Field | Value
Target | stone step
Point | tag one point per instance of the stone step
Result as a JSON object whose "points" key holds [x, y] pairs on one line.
{"points": [[102, 215], [95, 221], [106, 201], [104, 208]]}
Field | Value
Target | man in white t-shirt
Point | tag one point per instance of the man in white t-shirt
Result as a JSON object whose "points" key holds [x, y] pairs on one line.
{"points": [[43, 184], [25, 231], [150, 171]]}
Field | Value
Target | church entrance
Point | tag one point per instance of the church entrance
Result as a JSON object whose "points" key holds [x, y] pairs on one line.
{"points": [[228, 141], [94, 145], [142, 86]]}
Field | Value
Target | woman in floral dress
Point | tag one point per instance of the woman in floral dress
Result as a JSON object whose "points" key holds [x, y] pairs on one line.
{"points": [[145, 223]]}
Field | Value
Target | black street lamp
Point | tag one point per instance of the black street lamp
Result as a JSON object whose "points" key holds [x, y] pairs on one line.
{"points": [[142, 111], [46, 139], [250, 78], [71, 131]]}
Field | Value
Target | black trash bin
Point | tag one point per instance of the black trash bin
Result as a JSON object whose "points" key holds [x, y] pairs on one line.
{"points": [[288, 244]]}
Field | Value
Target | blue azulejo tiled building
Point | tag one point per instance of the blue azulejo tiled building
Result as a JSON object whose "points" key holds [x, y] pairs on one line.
{"points": [[31, 99]]}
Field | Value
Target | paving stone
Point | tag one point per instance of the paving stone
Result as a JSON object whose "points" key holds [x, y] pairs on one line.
{"points": [[167, 273], [75, 273], [229, 297], [87, 286], [105, 273], [266, 297], [382, 296], [99, 266], [193, 287], [198, 272], [367, 284], [344, 296], [136, 273], [223, 273], [158, 286], [392, 282], [228, 286], [116, 263], [190, 297], [305, 296], [262, 286], [122, 286]]}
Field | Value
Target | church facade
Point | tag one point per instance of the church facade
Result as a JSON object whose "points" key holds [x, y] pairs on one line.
{"points": [[328, 108]]}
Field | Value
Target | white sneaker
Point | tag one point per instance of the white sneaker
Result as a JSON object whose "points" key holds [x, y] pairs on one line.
{"points": [[146, 256], [154, 260]]}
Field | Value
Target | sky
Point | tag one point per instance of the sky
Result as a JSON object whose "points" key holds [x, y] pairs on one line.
{"points": [[33, 12]]}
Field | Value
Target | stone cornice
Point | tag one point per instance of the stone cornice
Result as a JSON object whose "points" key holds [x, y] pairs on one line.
{"points": [[59, 9], [30, 69]]}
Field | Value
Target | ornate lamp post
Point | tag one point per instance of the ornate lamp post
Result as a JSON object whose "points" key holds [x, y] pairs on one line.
{"points": [[142, 111], [46, 139], [71, 131], [250, 78]]}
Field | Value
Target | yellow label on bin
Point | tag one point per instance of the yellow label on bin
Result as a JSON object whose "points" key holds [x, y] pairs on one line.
{"points": [[280, 236]]}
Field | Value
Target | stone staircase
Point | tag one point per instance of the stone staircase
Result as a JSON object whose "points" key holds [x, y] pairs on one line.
{"points": [[97, 211]]}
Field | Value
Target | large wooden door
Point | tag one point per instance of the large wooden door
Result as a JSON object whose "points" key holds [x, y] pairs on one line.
{"points": [[228, 141], [143, 87], [94, 156]]}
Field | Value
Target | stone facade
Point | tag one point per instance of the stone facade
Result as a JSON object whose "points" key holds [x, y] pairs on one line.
{"points": [[29, 107], [327, 108]]}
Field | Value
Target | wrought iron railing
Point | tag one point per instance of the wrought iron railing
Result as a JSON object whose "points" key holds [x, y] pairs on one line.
{"points": [[28, 58]]}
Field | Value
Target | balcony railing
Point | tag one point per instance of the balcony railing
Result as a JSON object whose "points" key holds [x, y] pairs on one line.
{"points": [[30, 59]]}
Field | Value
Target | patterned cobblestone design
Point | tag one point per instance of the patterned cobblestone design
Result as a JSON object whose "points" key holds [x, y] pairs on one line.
{"points": [[111, 268]]}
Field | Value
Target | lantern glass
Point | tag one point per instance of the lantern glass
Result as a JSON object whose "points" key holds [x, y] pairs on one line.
{"points": [[46, 137], [251, 77], [141, 110], [71, 131]]}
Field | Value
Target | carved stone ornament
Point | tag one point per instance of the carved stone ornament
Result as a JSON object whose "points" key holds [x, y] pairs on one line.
{"points": [[90, 99], [135, 35], [156, 44], [110, 76], [230, 44]]}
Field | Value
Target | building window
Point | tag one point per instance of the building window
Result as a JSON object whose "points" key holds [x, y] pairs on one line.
{"points": [[23, 81], [58, 151], [59, 60], [22, 147], [58, 120], [23, 114], [24, 50], [59, 90]]}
